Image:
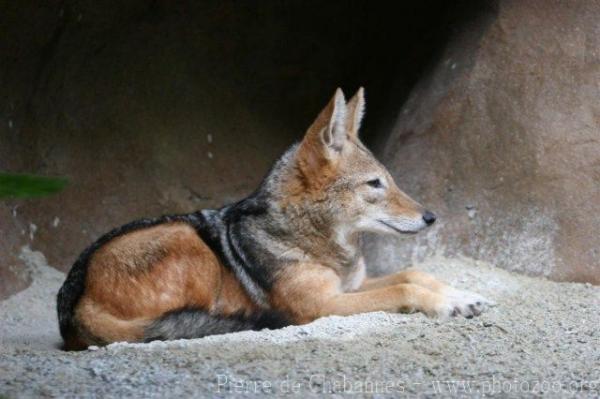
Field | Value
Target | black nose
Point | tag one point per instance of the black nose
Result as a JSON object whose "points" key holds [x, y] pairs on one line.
{"points": [[429, 218]]}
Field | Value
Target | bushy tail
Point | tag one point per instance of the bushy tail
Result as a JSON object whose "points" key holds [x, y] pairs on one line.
{"points": [[196, 323]]}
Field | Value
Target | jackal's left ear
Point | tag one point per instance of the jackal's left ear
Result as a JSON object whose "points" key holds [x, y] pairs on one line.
{"points": [[333, 133], [356, 112], [326, 136], [324, 140]]}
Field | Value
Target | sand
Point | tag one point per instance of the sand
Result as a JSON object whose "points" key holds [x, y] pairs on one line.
{"points": [[543, 338]]}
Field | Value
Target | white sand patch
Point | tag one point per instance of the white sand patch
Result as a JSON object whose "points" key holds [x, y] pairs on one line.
{"points": [[28, 318]]}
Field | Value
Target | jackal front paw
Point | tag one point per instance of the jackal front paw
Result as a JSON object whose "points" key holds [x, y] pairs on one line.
{"points": [[460, 303]]}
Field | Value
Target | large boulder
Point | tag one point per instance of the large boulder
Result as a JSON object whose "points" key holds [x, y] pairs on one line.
{"points": [[502, 140]]}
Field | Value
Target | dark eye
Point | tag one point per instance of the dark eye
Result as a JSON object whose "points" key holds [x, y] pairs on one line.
{"points": [[375, 183]]}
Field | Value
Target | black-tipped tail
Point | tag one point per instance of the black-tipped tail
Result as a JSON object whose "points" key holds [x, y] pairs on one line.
{"points": [[196, 323]]}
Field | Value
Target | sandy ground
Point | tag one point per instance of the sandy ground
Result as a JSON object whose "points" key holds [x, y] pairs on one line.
{"points": [[542, 338]]}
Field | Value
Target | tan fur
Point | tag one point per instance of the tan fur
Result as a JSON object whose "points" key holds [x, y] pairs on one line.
{"points": [[137, 277], [308, 292], [409, 276], [106, 326]]}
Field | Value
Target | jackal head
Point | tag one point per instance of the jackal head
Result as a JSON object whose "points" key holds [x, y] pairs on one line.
{"points": [[348, 187]]}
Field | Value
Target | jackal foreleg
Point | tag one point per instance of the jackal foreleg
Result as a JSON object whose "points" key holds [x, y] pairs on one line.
{"points": [[465, 303], [307, 292], [394, 298], [409, 276]]}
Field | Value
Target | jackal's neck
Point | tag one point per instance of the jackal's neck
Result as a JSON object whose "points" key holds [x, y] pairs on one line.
{"points": [[325, 243], [298, 227]]}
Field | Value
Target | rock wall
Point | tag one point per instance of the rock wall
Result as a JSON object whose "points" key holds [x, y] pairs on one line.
{"points": [[502, 140], [153, 107], [165, 107]]}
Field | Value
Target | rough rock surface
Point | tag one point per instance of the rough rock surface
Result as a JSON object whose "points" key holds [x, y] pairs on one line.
{"points": [[542, 338], [165, 107], [502, 140]]}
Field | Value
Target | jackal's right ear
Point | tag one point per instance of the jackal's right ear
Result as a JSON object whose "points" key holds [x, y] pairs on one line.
{"points": [[326, 137]]}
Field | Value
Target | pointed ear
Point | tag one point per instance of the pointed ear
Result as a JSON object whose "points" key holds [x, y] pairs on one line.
{"points": [[327, 135], [356, 112], [330, 125], [325, 138]]}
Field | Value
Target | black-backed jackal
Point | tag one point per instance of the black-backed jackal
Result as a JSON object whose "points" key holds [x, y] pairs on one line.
{"points": [[287, 254]]}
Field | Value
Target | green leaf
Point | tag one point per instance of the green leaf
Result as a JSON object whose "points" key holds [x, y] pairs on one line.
{"points": [[27, 186]]}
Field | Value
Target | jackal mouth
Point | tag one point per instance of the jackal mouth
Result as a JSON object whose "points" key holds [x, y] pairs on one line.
{"points": [[397, 230]]}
